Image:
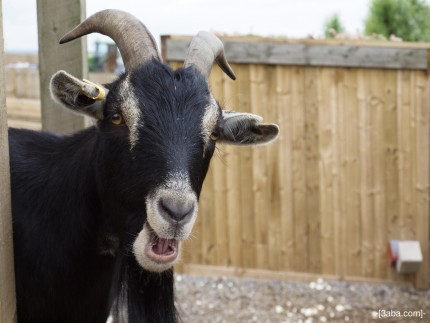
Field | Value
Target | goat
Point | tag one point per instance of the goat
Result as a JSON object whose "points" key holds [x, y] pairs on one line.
{"points": [[99, 215]]}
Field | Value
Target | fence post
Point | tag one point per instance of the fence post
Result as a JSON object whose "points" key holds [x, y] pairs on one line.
{"points": [[7, 276], [55, 18]]}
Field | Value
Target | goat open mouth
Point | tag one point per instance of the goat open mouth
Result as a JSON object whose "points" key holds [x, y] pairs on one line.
{"points": [[161, 250]]}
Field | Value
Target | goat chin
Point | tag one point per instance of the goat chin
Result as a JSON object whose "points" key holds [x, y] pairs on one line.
{"points": [[145, 256]]}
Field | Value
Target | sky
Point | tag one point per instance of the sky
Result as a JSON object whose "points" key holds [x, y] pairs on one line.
{"points": [[291, 18]]}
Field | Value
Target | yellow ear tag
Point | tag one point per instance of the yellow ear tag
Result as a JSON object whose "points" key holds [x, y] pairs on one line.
{"points": [[102, 92]]}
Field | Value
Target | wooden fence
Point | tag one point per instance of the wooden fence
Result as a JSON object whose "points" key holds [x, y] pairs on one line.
{"points": [[22, 82], [349, 172]]}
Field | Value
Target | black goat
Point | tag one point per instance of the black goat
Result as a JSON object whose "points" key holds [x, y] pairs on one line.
{"points": [[99, 215]]}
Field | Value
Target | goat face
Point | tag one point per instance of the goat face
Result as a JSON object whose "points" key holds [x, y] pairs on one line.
{"points": [[164, 126], [161, 126]]}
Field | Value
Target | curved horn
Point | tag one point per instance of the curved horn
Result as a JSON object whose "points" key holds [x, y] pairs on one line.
{"points": [[133, 39], [204, 50]]}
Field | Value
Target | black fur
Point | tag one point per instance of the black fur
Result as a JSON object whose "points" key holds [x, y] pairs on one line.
{"points": [[78, 203]]}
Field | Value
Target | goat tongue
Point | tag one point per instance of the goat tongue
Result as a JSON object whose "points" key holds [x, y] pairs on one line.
{"points": [[163, 246]]}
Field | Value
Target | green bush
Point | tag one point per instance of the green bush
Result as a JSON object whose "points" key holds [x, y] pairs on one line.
{"points": [[407, 19], [333, 26]]}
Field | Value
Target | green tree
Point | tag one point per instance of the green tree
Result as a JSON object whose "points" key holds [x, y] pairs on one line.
{"points": [[407, 19], [333, 26]]}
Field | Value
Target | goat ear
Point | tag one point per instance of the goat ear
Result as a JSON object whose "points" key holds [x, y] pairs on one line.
{"points": [[245, 129], [82, 97]]}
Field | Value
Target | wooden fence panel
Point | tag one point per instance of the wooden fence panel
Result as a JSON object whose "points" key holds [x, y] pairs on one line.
{"points": [[7, 276], [349, 172]]}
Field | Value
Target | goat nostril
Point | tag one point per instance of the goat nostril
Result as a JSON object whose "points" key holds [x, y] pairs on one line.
{"points": [[176, 209]]}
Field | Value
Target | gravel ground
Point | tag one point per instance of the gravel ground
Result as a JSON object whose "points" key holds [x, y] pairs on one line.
{"points": [[208, 299]]}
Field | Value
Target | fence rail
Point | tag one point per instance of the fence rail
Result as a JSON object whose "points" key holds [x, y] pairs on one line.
{"points": [[278, 53]]}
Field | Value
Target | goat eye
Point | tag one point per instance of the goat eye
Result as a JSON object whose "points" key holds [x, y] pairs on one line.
{"points": [[117, 119], [214, 136]]}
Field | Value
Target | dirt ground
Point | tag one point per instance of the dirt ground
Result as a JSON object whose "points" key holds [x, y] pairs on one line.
{"points": [[208, 299]]}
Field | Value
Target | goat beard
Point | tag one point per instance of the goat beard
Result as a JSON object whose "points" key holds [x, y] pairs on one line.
{"points": [[138, 295]]}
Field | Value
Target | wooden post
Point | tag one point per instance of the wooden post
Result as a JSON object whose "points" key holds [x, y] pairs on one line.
{"points": [[55, 18], [7, 277]]}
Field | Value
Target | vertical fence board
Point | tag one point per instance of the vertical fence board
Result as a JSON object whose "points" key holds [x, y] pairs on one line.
{"points": [[260, 178], [269, 110], [7, 277], [366, 210], [404, 135], [219, 184], [405, 172], [412, 216], [377, 102], [232, 170], [325, 135], [284, 108], [340, 160], [334, 91], [391, 161], [352, 172], [298, 91], [55, 18], [312, 214], [246, 179], [422, 176], [207, 218]]}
